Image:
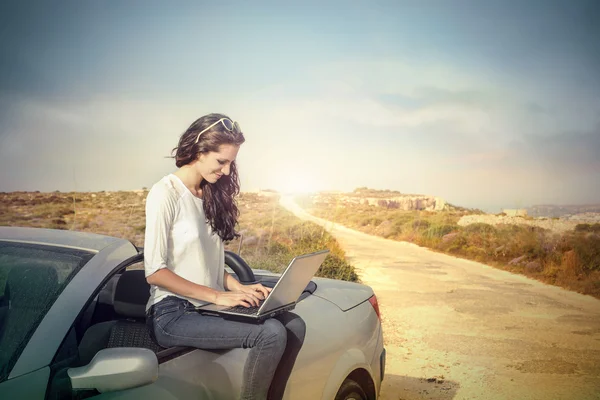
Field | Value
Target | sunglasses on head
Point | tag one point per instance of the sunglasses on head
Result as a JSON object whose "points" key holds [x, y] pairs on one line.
{"points": [[230, 125]]}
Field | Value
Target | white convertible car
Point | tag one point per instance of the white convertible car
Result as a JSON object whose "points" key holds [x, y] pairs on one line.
{"points": [[72, 327]]}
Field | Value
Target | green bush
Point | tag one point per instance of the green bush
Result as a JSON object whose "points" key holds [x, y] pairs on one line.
{"points": [[587, 248], [335, 267], [475, 252], [439, 230], [397, 226], [420, 224], [401, 218], [587, 227], [375, 221], [284, 237], [480, 227], [456, 246], [369, 220], [582, 228]]}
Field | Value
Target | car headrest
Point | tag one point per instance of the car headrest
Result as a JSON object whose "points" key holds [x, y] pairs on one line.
{"points": [[31, 286], [131, 294]]}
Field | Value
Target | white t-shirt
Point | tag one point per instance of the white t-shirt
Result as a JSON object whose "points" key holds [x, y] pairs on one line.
{"points": [[178, 237]]}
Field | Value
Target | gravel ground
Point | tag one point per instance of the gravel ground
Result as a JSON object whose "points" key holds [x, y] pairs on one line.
{"points": [[457, 329]]}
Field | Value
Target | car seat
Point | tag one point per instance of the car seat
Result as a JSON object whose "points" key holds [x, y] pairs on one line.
{"points": [[129, 329]]}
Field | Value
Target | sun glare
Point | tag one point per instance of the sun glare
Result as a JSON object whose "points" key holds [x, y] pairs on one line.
{"points": [[295, 183]]}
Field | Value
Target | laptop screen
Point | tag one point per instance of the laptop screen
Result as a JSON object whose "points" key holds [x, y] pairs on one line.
{"points": [[293, 280]]}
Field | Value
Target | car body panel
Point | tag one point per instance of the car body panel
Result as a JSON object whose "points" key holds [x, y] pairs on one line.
{"points": [[219, 373], [63, 238], [352, 359], [29, 386], [337, 342], [358, 348], [342, 293]]}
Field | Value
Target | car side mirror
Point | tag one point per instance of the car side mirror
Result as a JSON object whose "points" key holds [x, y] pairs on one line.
{"points": [[116, 369]]}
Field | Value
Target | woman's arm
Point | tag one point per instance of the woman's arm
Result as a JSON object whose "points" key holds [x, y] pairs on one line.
{"points": [[230, 282], [167, 279]]}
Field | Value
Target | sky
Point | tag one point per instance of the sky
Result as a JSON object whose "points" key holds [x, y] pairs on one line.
{"points": [[486, 104]]}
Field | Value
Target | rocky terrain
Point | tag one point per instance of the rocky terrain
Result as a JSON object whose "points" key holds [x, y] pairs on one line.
{"points": [[558, 225], [382, 198], [552, 210], [557, 218]]}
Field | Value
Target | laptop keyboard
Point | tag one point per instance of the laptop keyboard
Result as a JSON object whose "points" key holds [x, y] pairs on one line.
{"points": [[245, 310]]}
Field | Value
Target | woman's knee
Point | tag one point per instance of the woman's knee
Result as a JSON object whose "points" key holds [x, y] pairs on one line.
{"points": [[274, 332], [297, 327]]}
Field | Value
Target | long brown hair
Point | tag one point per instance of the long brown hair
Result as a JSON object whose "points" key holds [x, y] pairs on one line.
{"points": [[218, 198]]}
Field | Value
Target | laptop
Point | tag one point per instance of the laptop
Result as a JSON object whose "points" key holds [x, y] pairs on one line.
{"points": [[282, 298]]}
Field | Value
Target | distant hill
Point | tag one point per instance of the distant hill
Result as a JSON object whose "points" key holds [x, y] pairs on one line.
{"points": [[391, 199], [554, 210]]}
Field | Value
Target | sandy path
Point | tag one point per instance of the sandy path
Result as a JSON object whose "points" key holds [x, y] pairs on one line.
{"points": [[457, 329]]}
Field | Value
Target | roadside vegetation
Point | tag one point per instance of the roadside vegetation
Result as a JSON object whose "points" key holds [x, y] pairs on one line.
{"points": [[271, 236], [570, 259]]}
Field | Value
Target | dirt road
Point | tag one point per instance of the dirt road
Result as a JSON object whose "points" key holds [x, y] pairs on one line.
{"points": [[457, 329]]}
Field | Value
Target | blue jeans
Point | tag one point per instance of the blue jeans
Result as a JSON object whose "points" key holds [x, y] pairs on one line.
{"points": [[274, 344]]}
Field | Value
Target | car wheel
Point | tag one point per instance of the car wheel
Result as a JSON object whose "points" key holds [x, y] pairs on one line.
{"points": [[350, 390]]}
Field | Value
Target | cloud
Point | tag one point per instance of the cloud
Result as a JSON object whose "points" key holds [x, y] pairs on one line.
{"points": [[564, 153], [465, 139], [461, 137], [104, 143]]}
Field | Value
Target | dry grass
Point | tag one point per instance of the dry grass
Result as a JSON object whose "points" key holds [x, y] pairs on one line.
{"points": [[119, 214], [570, 260], [271, 236]]}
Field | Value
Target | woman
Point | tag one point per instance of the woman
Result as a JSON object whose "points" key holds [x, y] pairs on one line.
{"points": [[189, 214]]}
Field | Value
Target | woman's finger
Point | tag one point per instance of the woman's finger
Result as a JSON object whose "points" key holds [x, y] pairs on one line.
{"points": [[251, 299], [266, 289], [246, 299], [259, 293], [243, 303], [263, 290]]}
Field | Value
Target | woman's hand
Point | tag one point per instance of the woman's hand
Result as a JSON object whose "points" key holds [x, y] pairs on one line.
{"points": [[237, 298], [256, 289]]}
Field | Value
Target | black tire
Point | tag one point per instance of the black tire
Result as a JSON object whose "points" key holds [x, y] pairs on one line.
{"points": [[350, 390]]}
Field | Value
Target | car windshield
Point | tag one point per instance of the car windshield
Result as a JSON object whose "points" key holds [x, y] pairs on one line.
{"points": [[32, 276]]}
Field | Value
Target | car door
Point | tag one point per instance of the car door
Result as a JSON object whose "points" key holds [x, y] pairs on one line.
{"points": [[182, 373], [196, 374], [33, 277]]}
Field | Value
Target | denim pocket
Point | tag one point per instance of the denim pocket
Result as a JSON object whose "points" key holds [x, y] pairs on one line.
{"points": [[167, 307]]}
